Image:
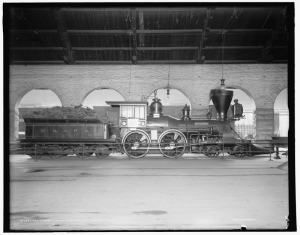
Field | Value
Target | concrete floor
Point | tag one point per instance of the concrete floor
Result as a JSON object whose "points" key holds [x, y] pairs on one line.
{"points": [[153, 193]]}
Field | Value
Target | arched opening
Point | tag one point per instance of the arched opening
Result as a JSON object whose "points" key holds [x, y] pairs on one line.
{"points": [[99, 97], [34, 100], [281, 114], [97, 100], [172, 102], [244, 127]]}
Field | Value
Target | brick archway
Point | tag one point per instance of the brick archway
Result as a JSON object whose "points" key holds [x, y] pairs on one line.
{"points": [[15, 113]]}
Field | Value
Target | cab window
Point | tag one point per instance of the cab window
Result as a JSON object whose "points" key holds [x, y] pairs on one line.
{"points": [[127, 111], [139, 112], [133, 111]]}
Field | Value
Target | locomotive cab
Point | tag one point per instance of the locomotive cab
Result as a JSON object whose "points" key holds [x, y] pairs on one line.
{"points": [[132, 115]]}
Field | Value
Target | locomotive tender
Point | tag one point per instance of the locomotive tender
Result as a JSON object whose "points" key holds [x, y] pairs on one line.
{"points": [[137, 134]]}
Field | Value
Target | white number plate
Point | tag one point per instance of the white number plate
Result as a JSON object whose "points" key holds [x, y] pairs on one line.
{"points": [[133, 122]]}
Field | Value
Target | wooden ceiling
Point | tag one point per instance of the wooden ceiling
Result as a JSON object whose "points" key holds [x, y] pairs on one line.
{"points": [[145, 35]]}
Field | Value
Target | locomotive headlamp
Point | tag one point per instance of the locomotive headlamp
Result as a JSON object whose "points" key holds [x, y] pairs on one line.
{"points": [[123, 123], [142, 123]]}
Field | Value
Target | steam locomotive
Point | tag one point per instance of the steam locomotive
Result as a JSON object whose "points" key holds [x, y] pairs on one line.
{"points": [[137, 134]]}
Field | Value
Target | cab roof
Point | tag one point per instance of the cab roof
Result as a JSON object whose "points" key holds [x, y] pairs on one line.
{"points": [[122, 103]]}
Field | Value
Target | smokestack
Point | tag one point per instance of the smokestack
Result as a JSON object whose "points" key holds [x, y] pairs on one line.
{"points": [[221, 99]]}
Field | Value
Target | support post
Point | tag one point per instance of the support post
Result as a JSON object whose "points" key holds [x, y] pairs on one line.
{"points": [[277, 152], [82, 151], [270, 156], [35, 157], [223, 146]]}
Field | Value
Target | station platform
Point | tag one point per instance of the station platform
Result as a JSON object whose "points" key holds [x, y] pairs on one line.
{"points": [[193, 193]]}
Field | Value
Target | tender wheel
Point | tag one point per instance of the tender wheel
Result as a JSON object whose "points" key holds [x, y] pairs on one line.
{"points": [[102, 152], [212, 151], [82, 151], [56, 152], [136, 143], [83, 155], [172, 143], [54, 156], [100, 155], [35, 152], [239, 150], [38, 156]]}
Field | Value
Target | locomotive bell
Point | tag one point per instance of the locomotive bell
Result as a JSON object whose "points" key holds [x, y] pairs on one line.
{"points": [[156, 108], [186, 113], [221, 100]]}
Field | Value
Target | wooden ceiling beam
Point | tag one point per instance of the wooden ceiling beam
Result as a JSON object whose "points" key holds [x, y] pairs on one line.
{"points": [[206, 61], [165, 48], [77, 62], [148, 31], [70, 9], [37, 62], [149, 62], [155, 9], [144, 48], [203, 9], [31, 31], [232, 47], [65, 40]]}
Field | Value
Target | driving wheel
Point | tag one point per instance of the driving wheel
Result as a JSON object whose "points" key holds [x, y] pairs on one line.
{"points": [[172, 143], [136, 143]]}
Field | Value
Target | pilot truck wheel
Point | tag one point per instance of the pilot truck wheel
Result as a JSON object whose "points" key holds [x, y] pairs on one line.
{"points": [[212, 151], [239, 150]]}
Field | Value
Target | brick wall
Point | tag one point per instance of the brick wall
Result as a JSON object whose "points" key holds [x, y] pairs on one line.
{"points": [[72, 83]]}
